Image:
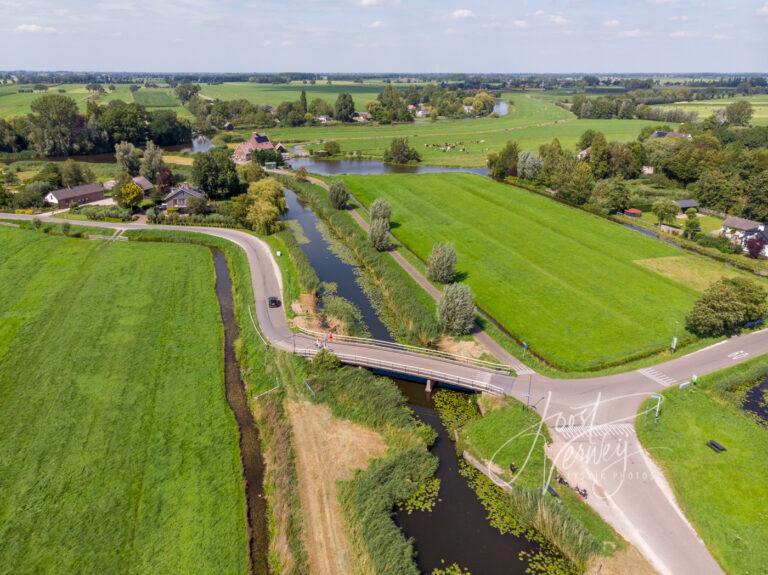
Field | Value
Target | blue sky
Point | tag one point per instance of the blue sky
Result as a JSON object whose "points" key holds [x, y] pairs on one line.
{"points": [[385, 35]]}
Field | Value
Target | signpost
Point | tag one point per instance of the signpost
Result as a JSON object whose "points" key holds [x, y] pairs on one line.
{"points": [[658, 399]]}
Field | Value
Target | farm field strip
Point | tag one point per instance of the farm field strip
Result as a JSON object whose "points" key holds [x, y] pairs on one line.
{"points": [[531, 122], [706, 108], [577, 288], [119, 451]]}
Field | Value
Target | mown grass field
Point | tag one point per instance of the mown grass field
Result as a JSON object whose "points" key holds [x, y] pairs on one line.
{"points": [[705, 108], [531, 122], [275, 94], [577, 288], [722, 494], [118, 451], [12, 103]]}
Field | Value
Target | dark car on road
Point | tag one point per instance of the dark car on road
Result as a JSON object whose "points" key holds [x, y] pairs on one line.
{"points": [[273, 301]]}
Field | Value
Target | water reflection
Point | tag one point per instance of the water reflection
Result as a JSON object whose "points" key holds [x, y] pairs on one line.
{"points": [[368, 167]]}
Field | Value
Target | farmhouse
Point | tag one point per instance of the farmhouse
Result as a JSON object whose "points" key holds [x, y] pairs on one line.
{"points": [[684, 205], [84, 194], [245, 150], [145, 185], [178, 196], [677, 135], [740, 231], [633, 213], [361, 117]]}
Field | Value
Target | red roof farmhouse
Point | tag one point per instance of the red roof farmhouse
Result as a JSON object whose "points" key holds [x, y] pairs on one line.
{"points": [[84, 194], [244, 150]]}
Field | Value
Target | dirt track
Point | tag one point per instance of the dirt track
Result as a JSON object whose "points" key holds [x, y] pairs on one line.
{"points": [[327, 450]]}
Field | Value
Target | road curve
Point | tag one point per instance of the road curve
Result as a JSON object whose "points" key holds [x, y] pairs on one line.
{"points": [[591, 420]]}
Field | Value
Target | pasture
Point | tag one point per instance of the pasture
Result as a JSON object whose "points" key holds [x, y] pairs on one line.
{"points": [[119, 452], [275, 94], [531, 122], [722, 494], [705, 108], [12, 103], [582, 291]]}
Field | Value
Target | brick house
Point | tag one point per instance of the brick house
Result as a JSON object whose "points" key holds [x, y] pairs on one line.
{"points": [[67, 197]]}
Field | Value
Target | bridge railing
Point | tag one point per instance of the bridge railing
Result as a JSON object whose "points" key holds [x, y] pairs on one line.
{"points": [[378, 343], [438, 376]]}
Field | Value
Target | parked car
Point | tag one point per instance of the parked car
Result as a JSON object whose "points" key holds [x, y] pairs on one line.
{"points": [[273, 301]]}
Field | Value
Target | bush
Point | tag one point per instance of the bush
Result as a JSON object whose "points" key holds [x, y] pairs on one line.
{"points": [[339, 195], [332, 148], [380, 210], [399, 152], [378, 234], [456, 311], [720, 243], [441, 265], [726, 306]]}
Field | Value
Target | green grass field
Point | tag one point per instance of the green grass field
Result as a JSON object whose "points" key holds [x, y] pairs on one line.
{"points": [[706, 108], [275, 94], [119, 453], [531, 122], [723, 494], [576, 287], [14, 104]]}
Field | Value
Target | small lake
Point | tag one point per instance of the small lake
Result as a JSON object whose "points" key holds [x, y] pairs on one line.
{"points": [[756, 402], [326, 167]]}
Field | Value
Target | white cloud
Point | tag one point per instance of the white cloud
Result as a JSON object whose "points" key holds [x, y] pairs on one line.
{"points": [[369, 2], [520, 23], [462, 13], [611, 23], [376, 24], [763, 10], [720, 36], [558, 19], [683, 34], [632, 33], [34, 29], [449, 31], [661, 1], [287, 43], [681, 18]]}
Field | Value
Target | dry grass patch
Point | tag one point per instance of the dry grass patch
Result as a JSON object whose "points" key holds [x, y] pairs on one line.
{"points": [[696, 273], [328, 450], [628, 560]]}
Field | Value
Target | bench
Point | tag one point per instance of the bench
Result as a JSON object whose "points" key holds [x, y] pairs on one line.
{"points": [[715, 446]]}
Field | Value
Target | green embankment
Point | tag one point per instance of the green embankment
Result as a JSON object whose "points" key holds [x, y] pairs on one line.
{"points": [[119, 450], [723, 494]]}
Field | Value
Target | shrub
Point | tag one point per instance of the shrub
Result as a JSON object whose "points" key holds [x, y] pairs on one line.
{"points": [[332, 148], [378, 234], [66, 227], [325, 361], [456, 311], [339, 195], [726, 306], [441, 265], [380, 210], [720, 243], [399, 152], [36, 223]]}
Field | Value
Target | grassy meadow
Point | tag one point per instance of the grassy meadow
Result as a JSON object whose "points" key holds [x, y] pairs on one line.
{"points": [[705, 108], [119, 453], [531, 122], [722, 494], [12, 103], [275, 94], [579, 289]]}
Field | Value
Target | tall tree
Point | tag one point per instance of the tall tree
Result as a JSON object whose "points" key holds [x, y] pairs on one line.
{"points": [[665, 210], [55, 124], [128, 158], [186, 91], [378, 234], [739, 113], [338, 194], [598, 156], [345, 107], [151, 162], [303, 102], [73, 174], [456, 310], [504, 164], [756, 205], [441, 265], [216, 173]]}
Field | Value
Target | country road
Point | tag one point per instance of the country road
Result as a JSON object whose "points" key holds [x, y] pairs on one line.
{"points": [[591, 420]]}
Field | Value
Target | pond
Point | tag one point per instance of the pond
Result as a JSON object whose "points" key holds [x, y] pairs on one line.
{"points": [[326, 167], [756, 401]]}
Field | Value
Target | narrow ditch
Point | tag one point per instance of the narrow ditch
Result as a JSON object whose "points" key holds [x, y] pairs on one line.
{"points": [[250, 447]]}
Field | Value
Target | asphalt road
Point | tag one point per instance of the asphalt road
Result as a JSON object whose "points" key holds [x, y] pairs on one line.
{"points": [[591, 420]]}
